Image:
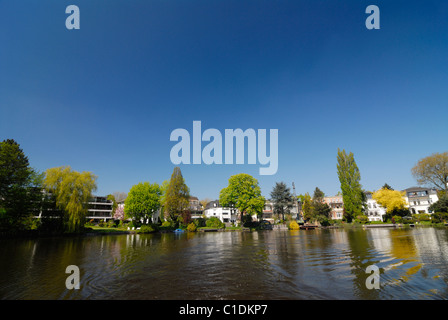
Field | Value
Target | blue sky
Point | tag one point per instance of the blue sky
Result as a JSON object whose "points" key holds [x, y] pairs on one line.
{"points": [[106, 97]]}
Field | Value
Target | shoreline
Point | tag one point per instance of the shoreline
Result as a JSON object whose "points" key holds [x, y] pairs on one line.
{"points": [[35, 234]]}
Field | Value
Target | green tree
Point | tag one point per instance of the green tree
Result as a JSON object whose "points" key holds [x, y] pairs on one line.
{"points": [[282, 198], [307, 208], [177, 196], [433, 170], [318, 195], [352, 193], [72, 191], [243, 193], [320, 210], [386, 186], [142, 201], [20, 187], [441, 205]]}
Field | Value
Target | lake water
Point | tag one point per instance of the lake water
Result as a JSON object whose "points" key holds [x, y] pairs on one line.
{"points": [[304, 264]]}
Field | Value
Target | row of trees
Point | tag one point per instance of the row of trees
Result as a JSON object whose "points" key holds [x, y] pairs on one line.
{"points": [[243, 193], [60, 195], [171, 198]]}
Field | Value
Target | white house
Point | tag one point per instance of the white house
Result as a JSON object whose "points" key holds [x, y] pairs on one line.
{"points": [[375, 212], [225, 214], [419, 199]]}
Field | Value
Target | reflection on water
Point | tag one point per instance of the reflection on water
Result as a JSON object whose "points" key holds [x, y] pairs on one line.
{"points": [[304, 264]]}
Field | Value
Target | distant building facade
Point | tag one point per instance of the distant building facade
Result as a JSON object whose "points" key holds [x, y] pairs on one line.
{"points": [[100, 209], [225, 214], [337, 207], [196, 208], [375, 212], [268, 211], [420, 199]]}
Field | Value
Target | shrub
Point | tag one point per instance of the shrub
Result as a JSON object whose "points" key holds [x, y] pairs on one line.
{"points": [[199, 222], [191, 227], [293, 226], [166, 224], [439, 217], [421, 217], [397, 219], [147, 228], [361, 219], [214, 222]]}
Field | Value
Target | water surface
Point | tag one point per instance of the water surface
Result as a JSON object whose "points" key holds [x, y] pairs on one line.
{"points": [[304, 264]]}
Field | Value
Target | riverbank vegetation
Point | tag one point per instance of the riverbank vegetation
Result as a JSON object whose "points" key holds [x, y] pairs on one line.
{"points": [[55, 202]]}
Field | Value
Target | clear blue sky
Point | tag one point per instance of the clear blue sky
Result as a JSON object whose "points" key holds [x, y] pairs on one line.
{"points": [[106, 97]]}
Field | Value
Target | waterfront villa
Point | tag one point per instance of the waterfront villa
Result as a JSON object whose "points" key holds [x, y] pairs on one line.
{"points": [[268, 211], [375, 212], [225, 214], [337, 206], [420, 199], [196, 208]]}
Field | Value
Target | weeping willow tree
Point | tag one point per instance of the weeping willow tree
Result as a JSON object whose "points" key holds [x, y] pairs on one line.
{"points": [[72, 191]]}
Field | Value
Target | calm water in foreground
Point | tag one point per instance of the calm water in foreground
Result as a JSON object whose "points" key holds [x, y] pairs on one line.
{"points": [[305, 264]]}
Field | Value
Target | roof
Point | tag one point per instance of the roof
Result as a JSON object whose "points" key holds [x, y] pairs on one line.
{"points": [[211, 204]]}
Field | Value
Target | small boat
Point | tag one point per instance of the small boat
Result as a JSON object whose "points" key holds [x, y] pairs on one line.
{"points": [[179, 231]]}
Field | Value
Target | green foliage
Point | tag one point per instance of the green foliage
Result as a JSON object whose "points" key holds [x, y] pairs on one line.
{"points": [[147, 228], [214, 222], [307, 208], [20, 188], [386, 186], [352, 193], [441, 205], [439, 217], [397, 219], [111, 197], [282, 198], [72, 191], [243, 193], [315, 209], [143, 201], [199, 222], [420, 217], [177, 196], [167, 224], [362, 219]]}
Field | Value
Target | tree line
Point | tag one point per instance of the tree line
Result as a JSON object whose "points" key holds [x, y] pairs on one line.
{"points": [[60, 196]]}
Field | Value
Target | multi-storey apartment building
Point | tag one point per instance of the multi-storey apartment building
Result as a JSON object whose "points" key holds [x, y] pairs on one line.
{"points": [[100, 209]]}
